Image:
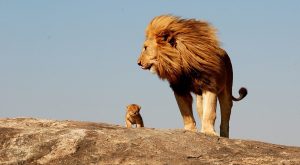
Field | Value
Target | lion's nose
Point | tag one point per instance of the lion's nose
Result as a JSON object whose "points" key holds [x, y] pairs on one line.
{"points": [[139, 63]]}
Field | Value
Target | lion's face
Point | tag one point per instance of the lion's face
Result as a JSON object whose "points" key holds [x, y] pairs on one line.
{"points": [[133, 109], [160, 55], [134, 113], [148, 57]]}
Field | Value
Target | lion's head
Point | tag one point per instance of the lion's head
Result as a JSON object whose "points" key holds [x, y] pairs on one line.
{"points": [[174, 47], [133, 109]]}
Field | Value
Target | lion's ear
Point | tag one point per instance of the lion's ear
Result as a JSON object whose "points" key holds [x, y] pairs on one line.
{"points": [[167, 36]]}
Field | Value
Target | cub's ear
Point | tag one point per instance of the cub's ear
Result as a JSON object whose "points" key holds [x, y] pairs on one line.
{"points": [[166, 36], [139, 107]]}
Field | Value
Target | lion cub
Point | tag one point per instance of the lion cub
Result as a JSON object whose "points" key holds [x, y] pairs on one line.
{"points": [[133, 116]]}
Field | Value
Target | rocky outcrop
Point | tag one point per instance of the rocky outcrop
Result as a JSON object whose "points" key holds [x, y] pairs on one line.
{"points": [[39, 141]]}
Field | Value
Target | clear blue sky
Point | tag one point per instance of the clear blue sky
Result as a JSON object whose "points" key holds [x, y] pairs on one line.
{"points": [[76, 60]]}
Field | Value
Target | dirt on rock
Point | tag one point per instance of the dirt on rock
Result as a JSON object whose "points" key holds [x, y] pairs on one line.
{"points": [[40, 141]]}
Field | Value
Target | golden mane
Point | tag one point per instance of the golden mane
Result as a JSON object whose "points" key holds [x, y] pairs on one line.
{"points": [[195, 49]]}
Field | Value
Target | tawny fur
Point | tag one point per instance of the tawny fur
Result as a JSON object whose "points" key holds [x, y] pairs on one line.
{"points": [[187, 53], [133, 116]]}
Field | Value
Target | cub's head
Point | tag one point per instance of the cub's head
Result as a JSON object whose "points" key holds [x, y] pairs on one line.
{"points": [[159, 53], [133, 109]]}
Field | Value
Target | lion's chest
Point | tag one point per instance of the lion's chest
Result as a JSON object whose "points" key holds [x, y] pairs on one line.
{"points": [[186, 86], [193, 84]]}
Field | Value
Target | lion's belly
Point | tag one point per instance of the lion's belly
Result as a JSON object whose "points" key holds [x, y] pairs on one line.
{"points": [[195, 85]]}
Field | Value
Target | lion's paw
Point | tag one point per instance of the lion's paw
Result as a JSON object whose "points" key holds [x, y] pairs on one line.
{"points": [[191, 127], [210, 133]]}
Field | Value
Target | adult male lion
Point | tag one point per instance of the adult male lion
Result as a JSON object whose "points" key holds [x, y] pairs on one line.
{"points": [[187, 53]]}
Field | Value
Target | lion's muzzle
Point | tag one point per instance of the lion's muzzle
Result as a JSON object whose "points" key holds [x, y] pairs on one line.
{"points": [[144, 66]]}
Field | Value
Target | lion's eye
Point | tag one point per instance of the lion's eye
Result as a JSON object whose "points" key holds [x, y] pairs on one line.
{"points": [[145, 47]]}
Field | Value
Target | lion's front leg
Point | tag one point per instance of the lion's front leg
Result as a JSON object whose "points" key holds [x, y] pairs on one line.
{"points": [[128, 124], [209, 113], [185, 106]]}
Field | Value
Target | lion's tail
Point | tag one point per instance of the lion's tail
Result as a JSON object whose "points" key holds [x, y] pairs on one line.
{"points": [[243, 93]]}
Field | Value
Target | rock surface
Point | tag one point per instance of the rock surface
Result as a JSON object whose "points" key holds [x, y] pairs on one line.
{"points": [[39, 141]]}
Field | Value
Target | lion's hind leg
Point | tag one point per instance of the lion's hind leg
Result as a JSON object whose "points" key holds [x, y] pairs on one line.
{"points": [[200, 107], [225, 106], [209, 113]]}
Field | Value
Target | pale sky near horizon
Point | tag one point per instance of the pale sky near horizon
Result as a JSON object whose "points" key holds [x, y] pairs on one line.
{"points": [[76, 60]]}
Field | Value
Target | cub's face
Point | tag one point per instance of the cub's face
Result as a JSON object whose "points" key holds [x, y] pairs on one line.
{"points": [[133, 109], [148, 57]]}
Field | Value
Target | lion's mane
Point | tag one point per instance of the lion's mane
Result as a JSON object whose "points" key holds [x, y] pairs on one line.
{"points": [[195, 56]]}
